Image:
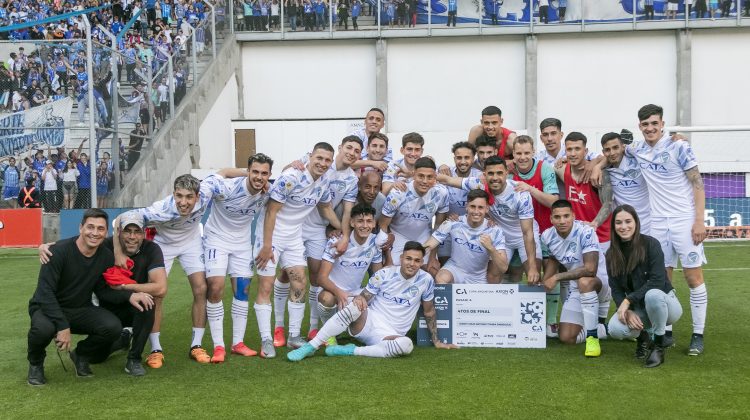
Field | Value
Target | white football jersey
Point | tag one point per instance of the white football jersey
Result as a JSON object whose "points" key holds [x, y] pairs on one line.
{"points": [[629, 187], [362, 134], [569, 251], [350, 267], [509, 209], [466, 251], [663, 167], [391, 173], [397, 299], [457, 196], [300, 195], [171, 228], [343, 186], [233, 209], [412, 214]]}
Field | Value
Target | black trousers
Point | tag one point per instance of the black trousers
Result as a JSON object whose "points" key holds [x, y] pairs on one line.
{"points": [[544, 14], [140, 321], [101, 326], [649, 12]]}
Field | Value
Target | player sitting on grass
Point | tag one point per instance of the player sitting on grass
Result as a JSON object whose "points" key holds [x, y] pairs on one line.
{"points": [[574, 244], [382, 314], [341, 277]]}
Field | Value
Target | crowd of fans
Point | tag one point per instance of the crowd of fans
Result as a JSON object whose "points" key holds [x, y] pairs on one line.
{"points": [[55, 68]]}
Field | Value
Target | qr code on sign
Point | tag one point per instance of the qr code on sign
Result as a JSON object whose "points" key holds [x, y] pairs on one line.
{"points": [[531, 312]]}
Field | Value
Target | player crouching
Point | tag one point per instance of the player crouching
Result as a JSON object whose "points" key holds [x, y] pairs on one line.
{"points": [[382, 314]]}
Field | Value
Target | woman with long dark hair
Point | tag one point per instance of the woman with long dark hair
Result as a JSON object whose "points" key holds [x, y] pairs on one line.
{"points": [[645, 299]]}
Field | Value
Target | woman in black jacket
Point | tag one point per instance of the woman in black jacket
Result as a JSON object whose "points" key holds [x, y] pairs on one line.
{"points": [[645, 299]]}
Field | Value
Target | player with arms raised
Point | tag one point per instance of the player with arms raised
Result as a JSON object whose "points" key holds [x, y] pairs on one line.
{"points": [[383, 313]]}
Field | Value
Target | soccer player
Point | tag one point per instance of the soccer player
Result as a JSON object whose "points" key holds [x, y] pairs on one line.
{"points": [[177, 223], [491, 125], [293, 196], [412, 146], [590, 204], [486, 147], [343, 184], [626, 179], [374, 122], [678, 200], [408, 214], [383, 313], [511, 210], [573, 244], [554, 153], [475, 244], [538, 178], [376, 152], [340, 277], [227, 244], [463, 157]]}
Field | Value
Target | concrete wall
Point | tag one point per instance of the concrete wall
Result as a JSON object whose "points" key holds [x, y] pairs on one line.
{"points": [[217, 127]]}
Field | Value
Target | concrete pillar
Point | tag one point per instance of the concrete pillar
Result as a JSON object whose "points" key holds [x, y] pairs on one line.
{"points": [[381, 78], [531, 86], [684, 77]]}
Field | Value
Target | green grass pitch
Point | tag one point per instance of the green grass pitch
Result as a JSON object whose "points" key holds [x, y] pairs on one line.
{"points": [[557, 382]]}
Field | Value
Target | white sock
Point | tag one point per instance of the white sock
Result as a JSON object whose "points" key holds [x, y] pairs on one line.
{"points": [[668, 328], [564, 291], [263, 315], [589, 307], [215, 316], [336, 325], [296, 313], [313, 299], [280, 296], [154, 339], [604, 309], [698, 305], [239, 320], [581, 337], [401, 346], [325, 312], [197, 336]]}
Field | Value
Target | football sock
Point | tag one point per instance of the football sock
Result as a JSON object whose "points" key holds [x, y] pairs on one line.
{"points": [[239, 320], [553, 302], [280, 296], [263, 315], [589, 303], [215, 316], [153, 338], [296, 313], [564, 290], [313, 299], [325, 312], [400, 346], [698, 305], [336, 325], [581, 337], [197, 336]]}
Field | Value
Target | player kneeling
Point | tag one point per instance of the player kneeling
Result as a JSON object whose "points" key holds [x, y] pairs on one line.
{"points": [[341, 277], [382, 314], [574, 244], [473, 244]]}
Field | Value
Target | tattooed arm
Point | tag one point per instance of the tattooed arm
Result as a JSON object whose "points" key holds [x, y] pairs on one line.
{"points": [[699, 195], [606, 197], [430, 317]]}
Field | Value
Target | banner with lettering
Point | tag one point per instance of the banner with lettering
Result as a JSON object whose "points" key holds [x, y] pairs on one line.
{"points": [[39, 127]]}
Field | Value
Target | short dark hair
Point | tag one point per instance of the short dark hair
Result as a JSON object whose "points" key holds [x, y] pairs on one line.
{"points": [[187, 182], [424, 162], [259, 158], [610, 136], [485, 140], [323, 145], [561, 204], [474, 194], [377, 110], [492, 110], [414, 246], [576, 136], [648, 110], [550, 122], [95, 213], [495, 160], [362, 208], [415, 138], [352, 139], [464, 145], [380, 136], [523, 139]]}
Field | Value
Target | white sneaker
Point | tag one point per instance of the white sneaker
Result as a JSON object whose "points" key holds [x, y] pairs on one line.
{"points": [[552, 331], [601, 331]]}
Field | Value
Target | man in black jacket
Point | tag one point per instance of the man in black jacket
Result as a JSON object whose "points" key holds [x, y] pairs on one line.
{"points": [[61, 304]]}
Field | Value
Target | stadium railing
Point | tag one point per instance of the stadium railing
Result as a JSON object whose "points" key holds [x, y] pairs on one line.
{"points": [[380, 18]]}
